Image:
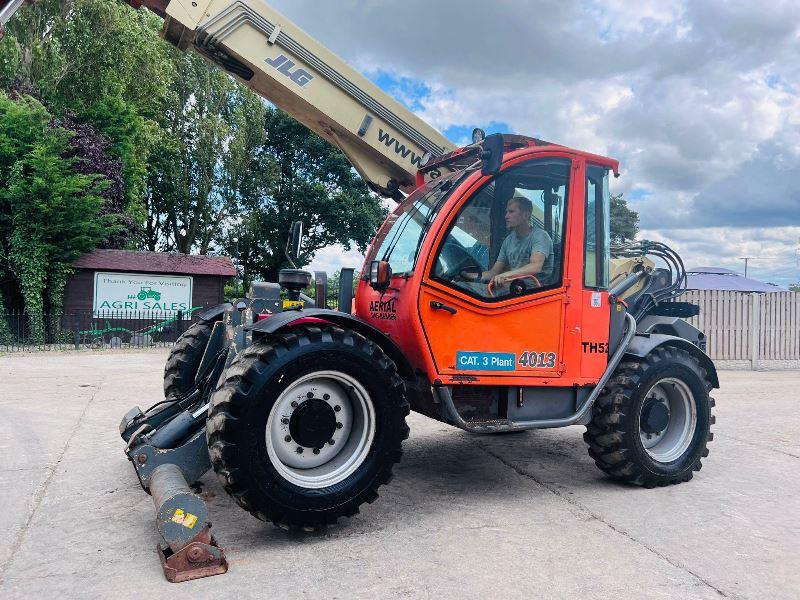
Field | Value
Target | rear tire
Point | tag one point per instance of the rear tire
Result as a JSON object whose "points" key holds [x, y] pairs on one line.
{"points": [[268, 419], [628, 437], [184, 359]]}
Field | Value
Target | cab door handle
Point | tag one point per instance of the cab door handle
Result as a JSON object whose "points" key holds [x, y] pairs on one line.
{"points": [[436, 305]]}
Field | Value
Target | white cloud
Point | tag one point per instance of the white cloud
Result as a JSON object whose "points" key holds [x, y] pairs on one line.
{"points": [[698, 100], [333, 258]]}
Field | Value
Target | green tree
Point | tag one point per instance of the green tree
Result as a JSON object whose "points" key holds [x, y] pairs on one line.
{"points": [[102, 62], [795, 287], [299, 176], [22, 125], [212, 133], [624, 220], [49, 212]]}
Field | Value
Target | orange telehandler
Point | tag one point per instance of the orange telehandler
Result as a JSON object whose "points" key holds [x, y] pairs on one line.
{"points": [[491, 299]]}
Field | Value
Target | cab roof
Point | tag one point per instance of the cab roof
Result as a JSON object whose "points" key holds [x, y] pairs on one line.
{"points": [[467, 155]]}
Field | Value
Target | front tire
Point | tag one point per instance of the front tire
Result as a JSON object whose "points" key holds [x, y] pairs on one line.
{"points": [[307, 425], [185, 358], [651, 425]]}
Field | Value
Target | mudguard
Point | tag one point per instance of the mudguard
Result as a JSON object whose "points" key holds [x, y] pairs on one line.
{"points": [[284, 320], [209, 314], [642, 345]]}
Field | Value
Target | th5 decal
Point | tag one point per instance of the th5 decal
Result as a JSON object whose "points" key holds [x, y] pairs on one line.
{"points": [[594, 347], [537, 360]]}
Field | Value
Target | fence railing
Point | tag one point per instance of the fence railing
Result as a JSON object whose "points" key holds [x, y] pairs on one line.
{"points": [[762, 329], [82, 330]]}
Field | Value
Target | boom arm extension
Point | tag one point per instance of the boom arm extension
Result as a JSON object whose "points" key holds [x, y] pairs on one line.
{"points": [[383, 140]]}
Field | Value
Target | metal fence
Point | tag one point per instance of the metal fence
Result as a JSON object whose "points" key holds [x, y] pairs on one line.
{"points": [[746, 330], [762, 330], [83, 330]]}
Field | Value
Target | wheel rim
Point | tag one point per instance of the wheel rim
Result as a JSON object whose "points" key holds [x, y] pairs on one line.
{"points": [[669, 443], [322, 405]]}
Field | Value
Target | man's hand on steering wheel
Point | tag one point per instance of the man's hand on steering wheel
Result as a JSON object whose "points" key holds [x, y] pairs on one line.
{"points": [[471, 273]]}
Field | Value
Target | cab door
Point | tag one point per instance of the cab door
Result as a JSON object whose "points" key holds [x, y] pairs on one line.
{"points": [[479, 332]]}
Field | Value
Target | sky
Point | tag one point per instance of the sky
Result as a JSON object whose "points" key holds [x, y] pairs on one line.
{"points": [[699, 100]]}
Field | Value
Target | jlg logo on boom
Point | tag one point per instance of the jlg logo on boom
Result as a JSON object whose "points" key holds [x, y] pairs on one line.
{"points": [[284, 66]]}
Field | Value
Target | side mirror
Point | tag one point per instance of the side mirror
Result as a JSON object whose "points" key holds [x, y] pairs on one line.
{"points": [[380, 275], [297, 239], [492, 154]]}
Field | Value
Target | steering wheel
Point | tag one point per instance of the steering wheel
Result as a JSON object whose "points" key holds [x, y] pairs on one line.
{"points": [[517, 286], [465, 262]]}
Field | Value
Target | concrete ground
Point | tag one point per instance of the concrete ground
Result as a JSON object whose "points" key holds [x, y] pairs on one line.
{"points": [[519, 516]]}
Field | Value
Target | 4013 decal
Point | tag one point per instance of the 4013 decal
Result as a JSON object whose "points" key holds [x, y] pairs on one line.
{"points": [[537, 360]]}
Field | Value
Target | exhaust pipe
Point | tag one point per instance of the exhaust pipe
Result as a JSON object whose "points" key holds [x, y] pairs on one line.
{"points": [[346, 290]]}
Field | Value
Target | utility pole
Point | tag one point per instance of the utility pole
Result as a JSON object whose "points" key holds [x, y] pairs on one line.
{"points": [[746, 259]]}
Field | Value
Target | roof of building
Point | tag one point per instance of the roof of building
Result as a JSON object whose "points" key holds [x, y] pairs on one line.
{"points": [[156, 262], [718, 278]]}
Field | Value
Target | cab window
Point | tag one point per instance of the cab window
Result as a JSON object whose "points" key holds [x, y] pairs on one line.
{"points": [[508, 238], [400, 238], [597, 236]]}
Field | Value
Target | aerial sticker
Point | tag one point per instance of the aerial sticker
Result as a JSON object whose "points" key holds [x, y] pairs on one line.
{"points": [[383, 309]]}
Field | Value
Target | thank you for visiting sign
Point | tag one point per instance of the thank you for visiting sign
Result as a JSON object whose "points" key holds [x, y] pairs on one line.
{"points": [[116, 293]]}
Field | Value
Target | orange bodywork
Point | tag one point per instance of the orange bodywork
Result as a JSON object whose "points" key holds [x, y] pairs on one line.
{"points": [[554, 329]]}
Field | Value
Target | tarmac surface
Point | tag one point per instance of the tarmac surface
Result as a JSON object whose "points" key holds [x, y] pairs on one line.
{"points": [[466, 516]]}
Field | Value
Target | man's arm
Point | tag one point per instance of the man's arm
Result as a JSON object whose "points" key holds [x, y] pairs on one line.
{"points": [[542, 248], [498, 267], [532, 268]]}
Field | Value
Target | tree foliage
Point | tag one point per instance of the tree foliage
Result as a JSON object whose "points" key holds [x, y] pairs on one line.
{"points": [[211, 131], [50, 212], [624, 220], [100, 61], [191, 160], [795, 287], [297, 175]]}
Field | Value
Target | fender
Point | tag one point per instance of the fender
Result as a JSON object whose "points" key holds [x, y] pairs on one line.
{"points": [[288, 319], [642, 345], [209, 314]]}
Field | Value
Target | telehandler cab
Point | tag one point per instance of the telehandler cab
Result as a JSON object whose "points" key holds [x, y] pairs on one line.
{"points": [[301, 411]]}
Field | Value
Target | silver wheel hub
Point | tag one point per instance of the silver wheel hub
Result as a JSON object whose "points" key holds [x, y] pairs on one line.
{"points": [[667, 420], [320, 429]]}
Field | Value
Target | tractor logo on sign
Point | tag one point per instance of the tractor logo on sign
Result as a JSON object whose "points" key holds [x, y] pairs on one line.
{"points": [[146, 293]]}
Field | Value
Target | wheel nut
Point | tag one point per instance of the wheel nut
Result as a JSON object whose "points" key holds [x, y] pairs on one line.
{"points": [[288, 438], [299, 450], [285, 421], [337, 408], [316, 450], [294, 404], [326, 396], [331, 442], [309, 395], [339, 426]]}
